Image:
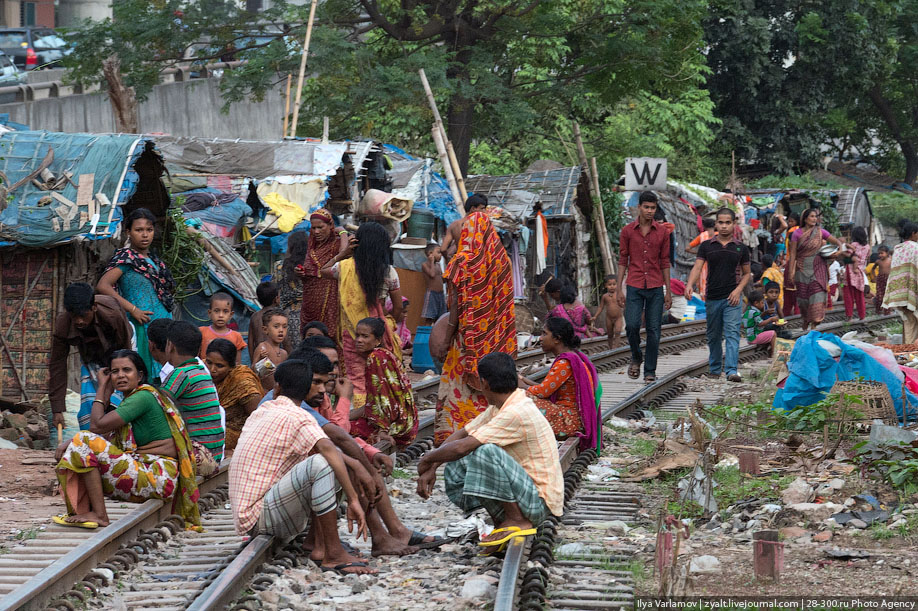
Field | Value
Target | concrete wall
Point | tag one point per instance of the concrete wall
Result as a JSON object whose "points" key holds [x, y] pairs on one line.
{"points": [[72, 12], [189, 108]]}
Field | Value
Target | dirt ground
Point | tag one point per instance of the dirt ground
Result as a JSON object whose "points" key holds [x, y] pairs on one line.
{"points": [[28, 496]]}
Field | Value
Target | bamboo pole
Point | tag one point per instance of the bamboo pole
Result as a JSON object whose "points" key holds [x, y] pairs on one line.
{"points": [[444, 161], [438, 122], [302, 74], [599, 225], [602, 219], [324, 130], [287, 106]]}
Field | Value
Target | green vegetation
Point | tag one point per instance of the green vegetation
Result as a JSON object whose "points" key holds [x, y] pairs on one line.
{"points": [[27, 534], [895, 463], [401, 474], [881, 532], [732, 487], [642, 447]]}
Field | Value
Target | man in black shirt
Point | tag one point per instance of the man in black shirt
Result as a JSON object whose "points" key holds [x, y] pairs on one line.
{"points": [[728, 274]]}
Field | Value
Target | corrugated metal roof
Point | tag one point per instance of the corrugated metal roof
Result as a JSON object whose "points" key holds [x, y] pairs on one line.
{"points": [[556, 190]]}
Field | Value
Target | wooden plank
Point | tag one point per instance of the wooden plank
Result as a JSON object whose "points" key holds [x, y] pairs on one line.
{"points": [[84, 193]]}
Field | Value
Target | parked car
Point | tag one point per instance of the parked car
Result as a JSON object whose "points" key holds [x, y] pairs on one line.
{"points": [[33, 48]]}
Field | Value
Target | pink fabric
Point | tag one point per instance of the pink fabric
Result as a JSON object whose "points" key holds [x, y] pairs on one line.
{"points": [[854, 272], [854, 297], [585, 379], [764, 337], [578, 316], [911, 378]]}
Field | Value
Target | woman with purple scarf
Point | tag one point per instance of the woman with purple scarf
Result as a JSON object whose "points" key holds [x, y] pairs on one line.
{"points": [[570, 393]]}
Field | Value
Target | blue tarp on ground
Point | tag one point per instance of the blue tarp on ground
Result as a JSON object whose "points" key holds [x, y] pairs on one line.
{"points": [[107, 157], [813, 372]]}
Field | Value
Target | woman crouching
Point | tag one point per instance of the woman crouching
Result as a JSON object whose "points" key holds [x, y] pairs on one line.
{"points": [[136, 452]]}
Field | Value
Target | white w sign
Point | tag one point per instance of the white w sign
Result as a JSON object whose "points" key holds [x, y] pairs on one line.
{"points": [[645, 174]]}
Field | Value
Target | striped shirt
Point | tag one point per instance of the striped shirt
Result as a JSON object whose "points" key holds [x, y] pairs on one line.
{"points": [[194, 393], [523, 432], [275, 437]]}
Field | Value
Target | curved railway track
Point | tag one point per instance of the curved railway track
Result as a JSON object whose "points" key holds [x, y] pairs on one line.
{"points": [[204, 571]]}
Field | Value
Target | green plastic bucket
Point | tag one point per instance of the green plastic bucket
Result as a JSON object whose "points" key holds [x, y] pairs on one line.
{"points": [[420, 224]]}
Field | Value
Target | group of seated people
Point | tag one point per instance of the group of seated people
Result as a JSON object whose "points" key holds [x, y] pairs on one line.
{"points": [[296, 442]]}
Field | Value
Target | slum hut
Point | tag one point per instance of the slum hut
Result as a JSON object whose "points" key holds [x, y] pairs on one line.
{"points": [[572, 255], [61, 216]]}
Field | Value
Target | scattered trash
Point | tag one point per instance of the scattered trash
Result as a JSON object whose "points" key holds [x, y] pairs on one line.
{"points": [[883, 433], [798, 492], [866, 517], [683, 456], [698, 487], [704, 564]]}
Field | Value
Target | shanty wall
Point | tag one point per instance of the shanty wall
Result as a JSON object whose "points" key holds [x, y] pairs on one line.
{"points": [[190, 108]]}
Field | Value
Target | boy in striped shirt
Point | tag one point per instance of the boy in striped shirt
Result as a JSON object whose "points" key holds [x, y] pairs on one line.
{"points": [[193, 389]]}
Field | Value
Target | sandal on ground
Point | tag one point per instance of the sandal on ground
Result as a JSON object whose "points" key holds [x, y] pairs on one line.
{"points": [[634, 370], [417, 540], [650, 379], [340, 568], [61, 519], [514, 531]]}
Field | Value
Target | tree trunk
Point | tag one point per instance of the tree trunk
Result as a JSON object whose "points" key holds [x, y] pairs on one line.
{"points": [[911, 162], [461, 110], [123, 99], [888, 114]]}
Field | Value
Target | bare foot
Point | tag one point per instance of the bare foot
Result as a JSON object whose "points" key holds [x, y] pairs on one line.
{"points": [[359, 569], [89, 516], [392, 547]]}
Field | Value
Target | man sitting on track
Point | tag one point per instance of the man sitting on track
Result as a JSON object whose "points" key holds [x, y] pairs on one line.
{"points": [[285, 470], [505, 460]]}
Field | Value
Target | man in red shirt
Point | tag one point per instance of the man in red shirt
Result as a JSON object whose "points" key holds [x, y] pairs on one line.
{"points": [[643, 265]]}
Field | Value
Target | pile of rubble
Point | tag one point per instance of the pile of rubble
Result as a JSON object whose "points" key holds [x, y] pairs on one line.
{"points": [[22, 430]]}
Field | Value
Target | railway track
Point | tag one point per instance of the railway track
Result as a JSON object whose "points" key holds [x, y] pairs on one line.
{"points": [[208, 570]]}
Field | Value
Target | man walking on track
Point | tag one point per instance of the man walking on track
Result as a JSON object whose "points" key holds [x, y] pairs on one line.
{"points": [[728, 273], [643, 263]]}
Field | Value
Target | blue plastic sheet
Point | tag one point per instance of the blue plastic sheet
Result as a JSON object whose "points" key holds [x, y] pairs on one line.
{"points": [[225, 215], [813, 372]]}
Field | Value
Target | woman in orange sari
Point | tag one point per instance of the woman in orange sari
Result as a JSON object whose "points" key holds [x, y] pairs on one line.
{"points": [[481, 320]]}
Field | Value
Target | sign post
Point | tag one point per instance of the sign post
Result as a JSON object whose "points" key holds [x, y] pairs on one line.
{"points": [[645, 174]]}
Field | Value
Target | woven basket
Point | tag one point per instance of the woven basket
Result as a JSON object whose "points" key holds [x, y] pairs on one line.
{"points": [[877, 402]]}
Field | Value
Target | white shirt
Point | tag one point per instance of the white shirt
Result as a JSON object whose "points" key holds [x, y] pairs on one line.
{"points": [[833, 272]]}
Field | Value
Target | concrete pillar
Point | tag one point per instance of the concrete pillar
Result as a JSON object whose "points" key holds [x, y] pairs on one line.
{"points": [[11, 16], [72, 12]]}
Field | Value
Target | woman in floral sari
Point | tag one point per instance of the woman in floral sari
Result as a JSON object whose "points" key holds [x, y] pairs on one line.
{"points": [[364, 281], [481, 320], [390, 412], [807, 272], [237, 386], [136, 452], [320, 295], [902, 286], [569, 395]]}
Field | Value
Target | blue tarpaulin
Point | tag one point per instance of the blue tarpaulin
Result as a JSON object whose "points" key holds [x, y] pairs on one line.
{"points": [[813, 372], [29, 216]]}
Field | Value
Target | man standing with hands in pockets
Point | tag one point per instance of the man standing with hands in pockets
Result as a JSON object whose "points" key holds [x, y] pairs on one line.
{"points": [[728, 274]]}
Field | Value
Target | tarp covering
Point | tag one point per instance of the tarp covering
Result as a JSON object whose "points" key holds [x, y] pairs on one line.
{"points": [[555, 189], [813, 372], [415, 179], [29, 217]]}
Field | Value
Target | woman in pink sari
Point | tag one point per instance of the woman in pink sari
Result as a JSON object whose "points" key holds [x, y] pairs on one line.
{"points": [[807, 271], [853, 291], [571, 310]]}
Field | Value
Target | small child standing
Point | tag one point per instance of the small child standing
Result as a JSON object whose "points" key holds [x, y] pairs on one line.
{"points": [[220, 313], [884, 264], [267, 294], [434, 300], [608, 304], [754, 324], [270, 353]]}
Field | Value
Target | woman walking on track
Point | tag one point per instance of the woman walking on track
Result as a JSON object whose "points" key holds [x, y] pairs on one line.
{"points": [[902, 287], [481, 321], [140, 281], [569, 395], [290, 287], [364, 281], [140, 450], [807, 272], [320, 295], [853, 291]]}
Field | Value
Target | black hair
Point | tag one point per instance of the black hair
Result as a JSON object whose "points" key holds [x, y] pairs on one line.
{"points": [[475, 199], [755, 296], [647, 196], [294, 378], [659, 215], [79, 298], [430, 247], [807, 213], [319, 363], [377, 326], [859, 235], [372, 259], [907, 229], [297, 247], [767, 261], [498, 369], [317, 324], [793, 216], [610, 277], [317, 342], [883, 248], [873, 258], [269, 313], [266, 292], [725, 210], [568, 294], [553, 286], [158, 332], [185, 337], [221, 296], [139, 213], [770, 286], [135, 358], [563, 330], [225, 348], [707, 222]]}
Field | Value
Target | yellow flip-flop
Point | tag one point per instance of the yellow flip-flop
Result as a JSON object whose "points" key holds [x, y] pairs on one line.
{"points": [[514, 532], [60, 519]]}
